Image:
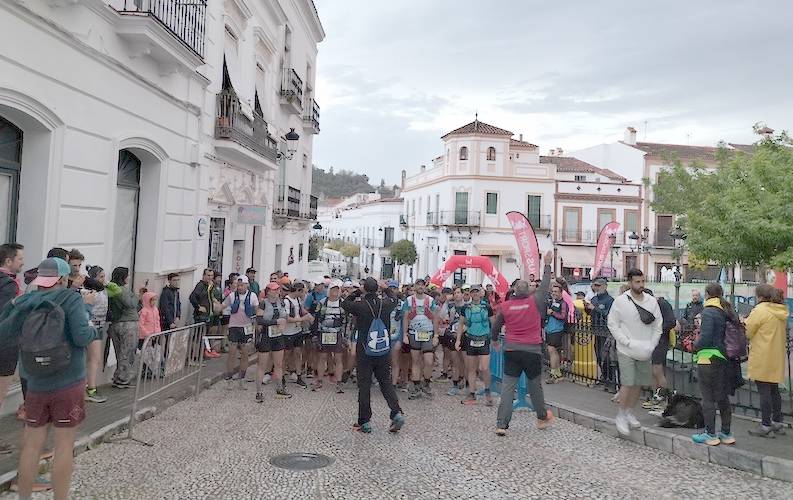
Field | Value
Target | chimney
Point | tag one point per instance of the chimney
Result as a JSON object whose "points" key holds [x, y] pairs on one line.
{"points": [[423, 168], [404, 176], [630, 136], [559, 151], [520, 137]]}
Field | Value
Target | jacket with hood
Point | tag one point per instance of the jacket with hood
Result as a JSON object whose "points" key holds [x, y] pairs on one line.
{"points": [[634, 339], [149, 322], [78, 332], [765, 328], [122, 303], [710, 342]]}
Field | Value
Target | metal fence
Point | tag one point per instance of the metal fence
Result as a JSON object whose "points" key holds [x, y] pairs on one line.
{"points": [[166, 359], [589, 357]]}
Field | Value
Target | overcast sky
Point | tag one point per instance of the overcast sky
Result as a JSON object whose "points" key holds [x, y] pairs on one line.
{"points": [[394, 76]]}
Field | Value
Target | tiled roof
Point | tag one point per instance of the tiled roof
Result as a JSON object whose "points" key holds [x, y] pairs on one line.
{"points": [[481, 128], [521, 144], [703, 153], [570, 164]]}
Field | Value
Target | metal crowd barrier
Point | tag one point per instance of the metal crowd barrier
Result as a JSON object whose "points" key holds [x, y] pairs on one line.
{"points": [[497, 378], [166, 359]]}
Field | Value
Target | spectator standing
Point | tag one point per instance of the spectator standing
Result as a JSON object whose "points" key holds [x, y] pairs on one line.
{"points": [[12, 259], [202, 296], [55, 397], [367, 366], [96, 279], [170, 305], [635, 322], [693, 308], [522, 317], [765, 329], [598, 308], [712, 369], [123, 306], [253, 285], [149, 322], [659, 398], [76, 259]]}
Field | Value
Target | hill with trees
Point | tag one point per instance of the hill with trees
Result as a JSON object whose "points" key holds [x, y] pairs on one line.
{"points": [[345, 183]]}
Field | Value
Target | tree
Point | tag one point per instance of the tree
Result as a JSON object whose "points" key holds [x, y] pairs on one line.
{"points": [[351, 250], [404, 252], [741, 213], [335, 244]]}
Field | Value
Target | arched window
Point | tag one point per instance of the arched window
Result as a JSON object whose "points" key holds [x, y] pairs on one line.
{"points": [[491, 154], [463, 153], [10, 157], [126, 220]]}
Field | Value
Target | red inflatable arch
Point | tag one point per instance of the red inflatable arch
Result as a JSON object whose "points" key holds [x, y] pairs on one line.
{"points": [[456, 262]]}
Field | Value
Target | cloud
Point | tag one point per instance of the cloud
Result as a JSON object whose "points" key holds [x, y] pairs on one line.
{"points": [[394, 76]]}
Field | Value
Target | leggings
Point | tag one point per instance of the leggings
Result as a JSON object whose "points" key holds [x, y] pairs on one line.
{"points": [[712, 388], [770, 402]]}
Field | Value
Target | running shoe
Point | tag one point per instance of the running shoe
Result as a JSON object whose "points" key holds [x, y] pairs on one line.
{"points": [[501, 432], [621, 422], [761, 430], [396, 423], [259, 397], [317, 385], [302, 383], [229, 384], [470, 399], [726, 438], [454, 391], [779, 428], [282, 394], [705, 438], [365, 427], [414, 392], [92, 396], [294, 377], [6, 449], [402, 387], [40, 484], [122, 385], [426, 389], [633, 422], [488, 399], [241, 384], [339, 388], [549, 419], [267, 379]]}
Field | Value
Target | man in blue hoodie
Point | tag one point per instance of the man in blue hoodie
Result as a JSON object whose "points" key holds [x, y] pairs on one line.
{"points": [[55, 400]]}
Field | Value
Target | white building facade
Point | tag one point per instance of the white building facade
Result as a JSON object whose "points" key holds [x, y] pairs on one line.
{"points": [[372, 225], [113, 141]]}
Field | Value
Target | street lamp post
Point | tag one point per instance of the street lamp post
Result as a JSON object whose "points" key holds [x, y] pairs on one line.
{"points": [[679, 237], [612, 240]]}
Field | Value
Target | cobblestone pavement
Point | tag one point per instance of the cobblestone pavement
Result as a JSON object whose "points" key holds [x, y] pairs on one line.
{"points": [[220, 447]]}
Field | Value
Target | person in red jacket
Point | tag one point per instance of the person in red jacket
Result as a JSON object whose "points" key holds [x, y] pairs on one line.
{"points": [[522, 318]]}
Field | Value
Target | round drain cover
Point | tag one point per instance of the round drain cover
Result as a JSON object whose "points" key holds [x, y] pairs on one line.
{"points": [[301, 461]]}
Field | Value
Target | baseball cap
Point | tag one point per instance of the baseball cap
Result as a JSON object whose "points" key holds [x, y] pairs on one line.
{"points": [[334, 284], [465, 287], [250, 270], [51, 271], [392, 284], [447, 290], [273, 285], [242, 279], [477, 287]]}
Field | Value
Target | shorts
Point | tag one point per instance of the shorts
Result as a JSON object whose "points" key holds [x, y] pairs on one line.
{"points": [[270, 344], [62, 408], [237, 335], [101, 331], [338, 347], [8, 361], [659, 353], [476, 351], [224, 320], [517, 362], [405, 348], [293, 341], [424, 347], [634, 372], [447, 341], [554, 339]]}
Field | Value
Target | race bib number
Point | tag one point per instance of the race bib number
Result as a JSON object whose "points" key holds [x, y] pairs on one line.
{"points": [[249, 330], [329, 338], [272, 332], [477, 343], [423, 336]]}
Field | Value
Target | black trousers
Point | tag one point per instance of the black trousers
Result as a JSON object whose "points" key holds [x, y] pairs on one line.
{"points": [[380, 367], [770, 402], [713, 389]]}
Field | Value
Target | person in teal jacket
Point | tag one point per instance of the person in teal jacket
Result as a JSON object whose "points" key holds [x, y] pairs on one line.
{"points": [[55, 400]]}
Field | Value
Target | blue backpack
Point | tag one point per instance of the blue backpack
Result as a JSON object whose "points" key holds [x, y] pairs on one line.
{"points": [[378, 341], [478, 320]]}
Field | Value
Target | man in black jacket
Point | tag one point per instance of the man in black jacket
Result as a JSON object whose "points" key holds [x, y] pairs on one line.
{"points": [[12, 259], [170, 303], [364, 308], [201, 299], [659, 398]]}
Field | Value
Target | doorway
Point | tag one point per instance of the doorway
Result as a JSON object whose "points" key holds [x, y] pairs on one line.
{"points": [[125, 229], [217, 230], [10, 166]]}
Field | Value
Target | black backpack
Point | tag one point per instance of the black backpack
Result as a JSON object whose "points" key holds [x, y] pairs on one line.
{"points": [[44, 350]]}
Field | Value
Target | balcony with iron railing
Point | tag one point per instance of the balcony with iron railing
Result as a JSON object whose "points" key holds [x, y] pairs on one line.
{"points": [[460, 218], [233, 125], [433, 218], [292, 89], [311, 116], [313, 203], [172, 30]]}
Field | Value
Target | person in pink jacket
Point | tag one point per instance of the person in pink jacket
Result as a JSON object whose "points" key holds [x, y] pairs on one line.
{"points": [[149, 316]]}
